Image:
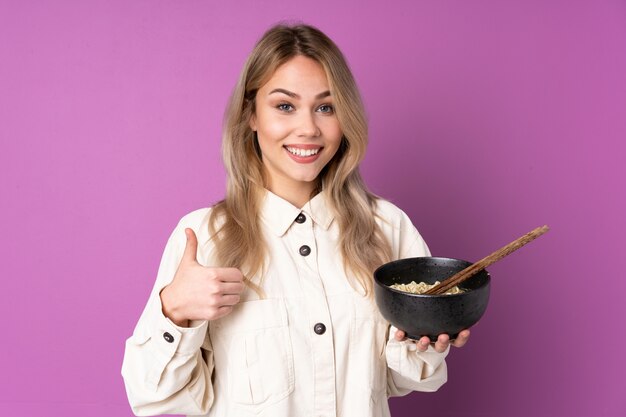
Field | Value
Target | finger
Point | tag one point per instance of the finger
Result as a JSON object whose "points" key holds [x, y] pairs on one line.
{"points": [[399, 336], [462, 338], [191, 247], [422, 344], [443, 340], [221, 312], [235, 288], [229, 300], [229, 274]]}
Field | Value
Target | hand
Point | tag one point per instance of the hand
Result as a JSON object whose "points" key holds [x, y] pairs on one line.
{"points": [[198, 292], [442, 343]]}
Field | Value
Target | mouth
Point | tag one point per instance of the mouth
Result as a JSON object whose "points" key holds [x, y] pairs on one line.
{"points": [[303, 151]]}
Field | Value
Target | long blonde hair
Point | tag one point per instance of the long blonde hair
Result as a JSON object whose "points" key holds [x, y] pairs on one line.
{"points": [[234, 223]]}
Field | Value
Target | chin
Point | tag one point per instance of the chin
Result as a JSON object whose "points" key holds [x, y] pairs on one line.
{"points": [[307, 178]]}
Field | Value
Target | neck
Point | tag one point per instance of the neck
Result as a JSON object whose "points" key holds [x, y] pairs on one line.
{"points": [[297, 194]]}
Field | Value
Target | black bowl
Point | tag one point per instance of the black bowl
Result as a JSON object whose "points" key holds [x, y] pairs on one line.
{"points": [[430, 315]]}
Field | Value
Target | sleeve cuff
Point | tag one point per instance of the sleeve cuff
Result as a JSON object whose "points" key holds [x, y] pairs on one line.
{"points": [[404, 358], [172, 339]]}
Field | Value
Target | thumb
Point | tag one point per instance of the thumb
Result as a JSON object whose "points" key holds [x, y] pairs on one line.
{"points": [[191, 247]]}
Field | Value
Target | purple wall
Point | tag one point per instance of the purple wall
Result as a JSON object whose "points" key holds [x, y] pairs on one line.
{"points": [[488, 118]]}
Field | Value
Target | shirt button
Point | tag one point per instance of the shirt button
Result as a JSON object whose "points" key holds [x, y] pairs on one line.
{"points": [[301, 218], [305, 250], [319, 328], [168, 337]]}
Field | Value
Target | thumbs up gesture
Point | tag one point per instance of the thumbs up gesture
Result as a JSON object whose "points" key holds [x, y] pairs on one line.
{"points": [[198, 292]]}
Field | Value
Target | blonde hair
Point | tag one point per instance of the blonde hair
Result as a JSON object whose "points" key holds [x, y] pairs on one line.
{"points": [[235, 223]]}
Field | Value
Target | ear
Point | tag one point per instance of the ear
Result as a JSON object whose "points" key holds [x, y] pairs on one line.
{"points": [[252, 122]]}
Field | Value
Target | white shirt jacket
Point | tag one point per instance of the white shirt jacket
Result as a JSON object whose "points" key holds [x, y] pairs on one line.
{"points": [[313, 347]]}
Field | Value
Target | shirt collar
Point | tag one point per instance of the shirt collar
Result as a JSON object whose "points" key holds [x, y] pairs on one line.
{"points": [[279, 214]]}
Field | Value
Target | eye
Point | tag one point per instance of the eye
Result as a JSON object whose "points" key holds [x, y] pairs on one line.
{"points": [[326, 108], [285, 107]]}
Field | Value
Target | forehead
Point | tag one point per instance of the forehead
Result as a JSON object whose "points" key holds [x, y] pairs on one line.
{"points": [[300, 75]]}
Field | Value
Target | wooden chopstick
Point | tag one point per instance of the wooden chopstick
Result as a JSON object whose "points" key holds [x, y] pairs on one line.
{"points": [[461, 276]]}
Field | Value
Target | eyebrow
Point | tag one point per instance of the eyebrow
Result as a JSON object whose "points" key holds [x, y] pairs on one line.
{"points": [[294, 95]]}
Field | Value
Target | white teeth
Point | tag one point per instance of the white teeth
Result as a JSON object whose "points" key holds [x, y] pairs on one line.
{"points": [[302, 152]]}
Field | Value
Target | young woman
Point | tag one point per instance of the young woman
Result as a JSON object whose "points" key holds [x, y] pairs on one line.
{"points": [[263, 303]]}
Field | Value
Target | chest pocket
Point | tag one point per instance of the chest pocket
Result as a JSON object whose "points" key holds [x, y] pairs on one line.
{"points": [[368, 342], [260, 356]]}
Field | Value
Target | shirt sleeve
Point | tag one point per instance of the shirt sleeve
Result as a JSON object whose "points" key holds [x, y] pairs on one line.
{"points": [[409, 369], [411, 243], [167, 369]]}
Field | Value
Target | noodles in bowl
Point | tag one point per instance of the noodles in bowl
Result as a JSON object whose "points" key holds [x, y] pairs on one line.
{"points": [[420, 288], [424, 314]]}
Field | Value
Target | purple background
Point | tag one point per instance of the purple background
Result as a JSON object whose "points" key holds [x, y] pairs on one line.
{"points": [[488, 118]]}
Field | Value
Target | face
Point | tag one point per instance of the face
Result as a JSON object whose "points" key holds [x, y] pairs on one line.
{"points": [[296, 125]]}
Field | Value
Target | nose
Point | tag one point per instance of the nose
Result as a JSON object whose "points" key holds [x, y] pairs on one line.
{"points": [[308, 126]]}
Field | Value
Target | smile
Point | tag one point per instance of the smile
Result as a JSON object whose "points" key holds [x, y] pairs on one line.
{"points": [[302, 152]]}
